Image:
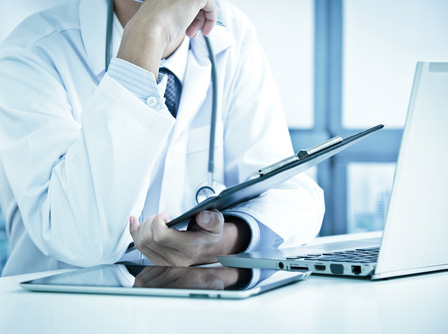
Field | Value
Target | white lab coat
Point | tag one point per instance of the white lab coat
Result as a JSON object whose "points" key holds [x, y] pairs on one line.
{"points": [[79, 153]]}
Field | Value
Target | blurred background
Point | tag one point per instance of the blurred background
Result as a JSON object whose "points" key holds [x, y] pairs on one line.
{"points": [[341, 66]]}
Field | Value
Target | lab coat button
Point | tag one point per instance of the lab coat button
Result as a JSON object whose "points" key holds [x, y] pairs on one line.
{"points": [[151, 101]]}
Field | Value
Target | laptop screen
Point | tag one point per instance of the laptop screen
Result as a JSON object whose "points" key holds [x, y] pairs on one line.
{"points": [[416, 231]]}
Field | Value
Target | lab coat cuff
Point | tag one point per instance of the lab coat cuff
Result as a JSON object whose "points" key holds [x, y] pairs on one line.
{"points": [[253, 225], [263, 237], [138, 81]]}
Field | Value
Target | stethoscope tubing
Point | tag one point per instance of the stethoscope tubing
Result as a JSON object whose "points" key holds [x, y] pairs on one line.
{"points": [[211, 152]]}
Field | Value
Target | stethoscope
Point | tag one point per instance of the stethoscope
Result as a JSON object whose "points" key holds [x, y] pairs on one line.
{"points": [[210, 186]]}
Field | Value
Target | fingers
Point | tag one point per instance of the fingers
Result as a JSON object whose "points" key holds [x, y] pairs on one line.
{"points": [[196, 26], [205, 20], [168, 246], [211, 15], [134, 227], [144, 240], [162, 234]]}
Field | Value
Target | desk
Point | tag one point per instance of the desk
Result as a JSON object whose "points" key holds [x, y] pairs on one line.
{"points": [[415, 304]]}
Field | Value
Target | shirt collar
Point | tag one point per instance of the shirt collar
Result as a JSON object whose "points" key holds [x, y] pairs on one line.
{"points": [[220, 39]]}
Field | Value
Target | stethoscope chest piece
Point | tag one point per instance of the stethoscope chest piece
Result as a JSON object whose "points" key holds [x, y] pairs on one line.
{"points": [[206, 190]]}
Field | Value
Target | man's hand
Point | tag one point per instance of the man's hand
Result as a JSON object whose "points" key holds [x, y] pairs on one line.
{"points": [[159, 26], [204, 239]]}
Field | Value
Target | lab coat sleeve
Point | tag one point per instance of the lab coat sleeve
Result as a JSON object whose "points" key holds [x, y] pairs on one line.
{"points": [[76, 180], [262, 237], [256, 135]]}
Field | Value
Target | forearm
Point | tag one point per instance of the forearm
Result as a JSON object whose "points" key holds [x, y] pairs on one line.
{"points": [[135, 52]]}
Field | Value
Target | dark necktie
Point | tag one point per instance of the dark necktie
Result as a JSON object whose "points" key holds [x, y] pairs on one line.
{"points": [[172, 92]]}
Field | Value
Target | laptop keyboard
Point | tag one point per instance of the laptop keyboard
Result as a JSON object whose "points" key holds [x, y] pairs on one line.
{"points": [[366, 255]]}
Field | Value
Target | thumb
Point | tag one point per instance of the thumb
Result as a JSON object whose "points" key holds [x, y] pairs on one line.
{"points": [[211, 221], [134, 227]]}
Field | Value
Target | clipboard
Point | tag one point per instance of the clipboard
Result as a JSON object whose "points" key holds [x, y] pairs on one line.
{"points": [[273, 175]]}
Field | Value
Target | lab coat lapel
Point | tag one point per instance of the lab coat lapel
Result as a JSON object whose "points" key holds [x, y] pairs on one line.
{"points": [[197, 80], [220, 40], [194, 91]]}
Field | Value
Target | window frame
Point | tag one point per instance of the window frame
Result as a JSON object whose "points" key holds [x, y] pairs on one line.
{"points": [[381, 147]]}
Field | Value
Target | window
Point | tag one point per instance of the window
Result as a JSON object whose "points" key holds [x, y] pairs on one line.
{"points": [[368, 192], [364, 55], [285, 30], [381, 45]]}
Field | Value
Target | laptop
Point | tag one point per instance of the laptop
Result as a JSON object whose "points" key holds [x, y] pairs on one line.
{"points": [[415, 236]]}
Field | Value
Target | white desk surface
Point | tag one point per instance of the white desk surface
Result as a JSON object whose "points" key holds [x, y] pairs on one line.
{"points": [[415, 304]]}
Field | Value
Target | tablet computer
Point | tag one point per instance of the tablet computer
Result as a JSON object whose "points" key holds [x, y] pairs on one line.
{"points": [[193, 282]]}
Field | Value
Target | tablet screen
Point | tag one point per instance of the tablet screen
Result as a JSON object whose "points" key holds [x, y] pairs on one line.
{"points": [[130, 278]]}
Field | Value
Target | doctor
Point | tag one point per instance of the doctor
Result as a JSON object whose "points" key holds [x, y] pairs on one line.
{"points": [[91, 159]]}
